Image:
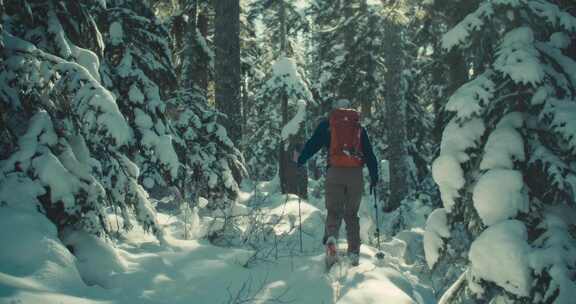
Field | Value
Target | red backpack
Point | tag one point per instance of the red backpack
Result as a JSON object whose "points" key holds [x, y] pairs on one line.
{"points": [[345, 143]]}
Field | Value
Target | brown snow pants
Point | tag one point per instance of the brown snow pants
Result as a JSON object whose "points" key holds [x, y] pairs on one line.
{"points": [[343, 195]]}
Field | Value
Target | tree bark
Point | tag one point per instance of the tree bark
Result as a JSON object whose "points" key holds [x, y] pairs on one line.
{"points": [[395, 115], [189, 56], [227, 66], [201, 75], [283, 38], [346, 89]]}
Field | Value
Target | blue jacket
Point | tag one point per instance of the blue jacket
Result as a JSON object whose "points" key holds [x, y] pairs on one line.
{"points": [[321, 138]]}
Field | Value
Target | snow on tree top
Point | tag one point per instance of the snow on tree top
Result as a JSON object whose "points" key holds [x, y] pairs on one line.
{"points": [[285, 73], [116, 33]]}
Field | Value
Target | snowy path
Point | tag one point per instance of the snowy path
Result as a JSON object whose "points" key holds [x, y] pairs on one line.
{"points": [[140, 270], [203, 273]]}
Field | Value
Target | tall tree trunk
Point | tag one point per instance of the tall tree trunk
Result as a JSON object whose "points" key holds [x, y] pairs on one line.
{"points": [[346, 89], [283, 31], [292, 180], [367, 98], [201, 73], [227, 66], [189, 43], [395, 115]]}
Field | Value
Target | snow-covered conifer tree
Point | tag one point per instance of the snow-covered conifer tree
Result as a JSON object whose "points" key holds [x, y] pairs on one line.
{"points": [[278, 95], [193, 56], [138, 69], [506, 166], [282, 20], [71, 137], [266, 136], [213, 165], [347, 59], [202, 160]]}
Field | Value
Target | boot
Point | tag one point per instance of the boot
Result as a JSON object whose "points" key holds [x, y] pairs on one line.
{"points": [[354, 258], [331, 254]]}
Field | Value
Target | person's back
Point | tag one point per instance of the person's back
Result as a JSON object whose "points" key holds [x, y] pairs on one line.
{"points": [[348, 150]]}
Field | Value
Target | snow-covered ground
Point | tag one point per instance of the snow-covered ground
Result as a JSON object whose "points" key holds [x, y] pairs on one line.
{"points": [[36, 266]]}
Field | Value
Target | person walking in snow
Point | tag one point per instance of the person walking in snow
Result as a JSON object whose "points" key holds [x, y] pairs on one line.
{"points": [[348, 150]]}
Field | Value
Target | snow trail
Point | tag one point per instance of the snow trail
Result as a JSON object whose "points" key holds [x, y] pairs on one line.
{"points": [[141, 270]]}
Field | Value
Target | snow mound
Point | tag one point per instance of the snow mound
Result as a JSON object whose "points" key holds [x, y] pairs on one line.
{"points": [[19, 191], [500, 195], [500, 255], [460, 136], [436, 229], [505, 144], [97, 261], [363, 286], [449, 176], [33, 261]]}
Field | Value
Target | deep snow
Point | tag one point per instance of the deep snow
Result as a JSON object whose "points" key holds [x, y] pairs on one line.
{"points": [[36, 267]]}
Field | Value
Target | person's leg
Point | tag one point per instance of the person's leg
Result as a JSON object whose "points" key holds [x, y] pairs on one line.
{"points": [[334, 205], [354, 190]]}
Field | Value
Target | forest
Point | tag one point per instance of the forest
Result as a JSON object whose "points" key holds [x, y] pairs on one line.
{"points": [[160, 151]]}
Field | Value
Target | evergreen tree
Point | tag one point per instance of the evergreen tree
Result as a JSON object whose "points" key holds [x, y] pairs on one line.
{"points": [[347, 52], [273, 135], [505, 166], [283, 21], [257, 57], [72, 139], [193, 56], [212, 163], [209, 164], [269, 153], [137, 68]]}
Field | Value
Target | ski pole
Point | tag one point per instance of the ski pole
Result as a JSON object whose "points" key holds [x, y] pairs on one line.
{"points": [[300, 216], [380, 254]]}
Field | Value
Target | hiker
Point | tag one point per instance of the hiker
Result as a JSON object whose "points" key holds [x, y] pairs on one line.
{"points": [[348, 150]]}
